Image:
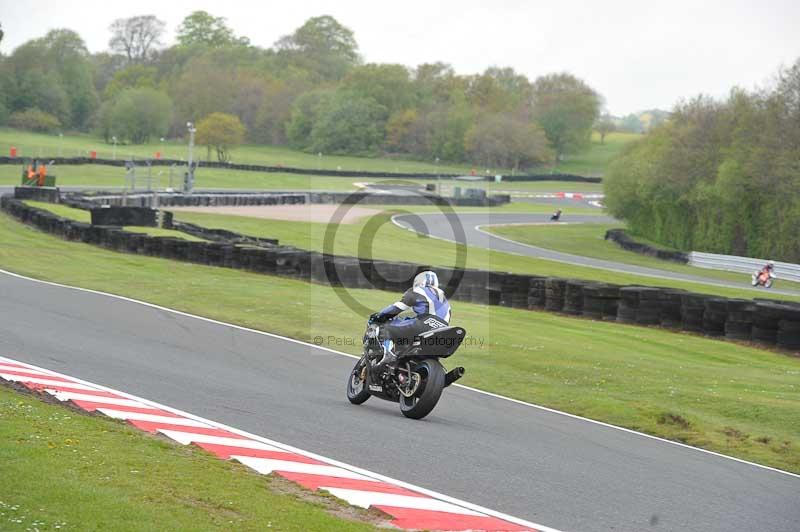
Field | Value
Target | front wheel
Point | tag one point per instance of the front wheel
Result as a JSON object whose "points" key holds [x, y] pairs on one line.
{"points": [[357, 383], [431, 379], [768, 283]]}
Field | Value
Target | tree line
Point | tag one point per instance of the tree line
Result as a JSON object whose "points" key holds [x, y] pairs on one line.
{"points": [[311, 90], [718, 176]]}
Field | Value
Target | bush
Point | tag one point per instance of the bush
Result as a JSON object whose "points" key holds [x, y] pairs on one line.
{"points": [[34, 120], [135, 116]]}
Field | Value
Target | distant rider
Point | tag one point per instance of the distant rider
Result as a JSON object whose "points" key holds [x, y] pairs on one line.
{"points": [[556, 216], [429, 304], [769, 270]]}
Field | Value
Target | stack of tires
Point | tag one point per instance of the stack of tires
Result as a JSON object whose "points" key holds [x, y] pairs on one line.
{"points": [[693, 307], [554, 289], [715, 316], [649, 312], [537, 293], [592, 302], [739, 325], [573, 297], [514, 291], [628, 304], [789, 329], [766, 322], [670, 300]]}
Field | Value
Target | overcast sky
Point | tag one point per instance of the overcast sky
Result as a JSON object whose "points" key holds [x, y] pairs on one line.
{"points": [[637, 54]]}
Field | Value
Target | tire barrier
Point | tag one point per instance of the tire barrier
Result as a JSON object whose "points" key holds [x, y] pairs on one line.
{"points": [[139, 216], [627, 243], [71, 161], [231, 199], [767, 322], [48, 194]]}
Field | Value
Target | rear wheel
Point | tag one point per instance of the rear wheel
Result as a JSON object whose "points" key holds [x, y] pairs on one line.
{"points": [[430, 376], [357, 383]]}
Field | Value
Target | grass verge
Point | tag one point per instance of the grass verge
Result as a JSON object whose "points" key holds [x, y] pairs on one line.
{"points": [[718, 395], [389, 239], [64, 470], [28, 144], [81, 215], [110, 177], [588, 240]]}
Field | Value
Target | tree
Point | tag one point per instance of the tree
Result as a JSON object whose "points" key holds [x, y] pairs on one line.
{"points": [[604, 126], [134, 76], [136, 116], [203, 29], [349, 124], [303, 115], [566, 108], [323, 46], [1, 33], [136, 37], [389, 85], [221, 131], [506, 141], [53, 74]]}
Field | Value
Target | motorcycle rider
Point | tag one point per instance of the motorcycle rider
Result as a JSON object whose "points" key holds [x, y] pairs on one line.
{"points": [[769, 270], [429, 304]]}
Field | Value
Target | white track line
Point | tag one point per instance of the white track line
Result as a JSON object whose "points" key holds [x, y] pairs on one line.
{"points": [[271, 443], [321, 348]]}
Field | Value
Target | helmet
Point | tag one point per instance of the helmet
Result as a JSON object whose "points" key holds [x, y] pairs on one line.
{"points": [[426, 278], [771, 263]]}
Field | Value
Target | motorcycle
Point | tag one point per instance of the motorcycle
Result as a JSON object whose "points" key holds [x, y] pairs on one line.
{"points": [[556, 216], [416, 380], [763, 278]]}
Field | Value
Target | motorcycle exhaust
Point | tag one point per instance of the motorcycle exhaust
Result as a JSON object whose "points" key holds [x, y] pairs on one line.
{"points": [[453, 375]]}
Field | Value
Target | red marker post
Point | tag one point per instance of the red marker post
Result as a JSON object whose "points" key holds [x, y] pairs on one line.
{"points": [[12, 152]]}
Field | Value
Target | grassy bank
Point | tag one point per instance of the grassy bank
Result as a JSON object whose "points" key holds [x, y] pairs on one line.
{"points": [[719, 395], [591, 162], [63, 470], [389, 239], [588, 240], [86, 217], [111, 177]]}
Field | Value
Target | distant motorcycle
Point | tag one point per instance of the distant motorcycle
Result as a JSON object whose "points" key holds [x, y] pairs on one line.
{"points": [[416, 380], [556, 216], [763, 278]]}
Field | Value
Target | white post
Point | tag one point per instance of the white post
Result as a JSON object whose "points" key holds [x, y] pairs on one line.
{"points": [[190, 179]]}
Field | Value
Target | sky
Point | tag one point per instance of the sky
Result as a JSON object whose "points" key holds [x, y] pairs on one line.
{"points": [[638, 54]]}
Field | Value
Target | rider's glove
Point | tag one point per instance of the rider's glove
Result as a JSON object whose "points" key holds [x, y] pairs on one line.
{"points": [[376, 318]]}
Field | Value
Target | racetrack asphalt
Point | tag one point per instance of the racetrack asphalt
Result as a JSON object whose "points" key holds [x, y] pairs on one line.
{"points": [[475, 232], [539, 465]]}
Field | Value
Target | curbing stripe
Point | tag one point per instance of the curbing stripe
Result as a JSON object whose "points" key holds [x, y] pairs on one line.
{"points": [[410, 507]]}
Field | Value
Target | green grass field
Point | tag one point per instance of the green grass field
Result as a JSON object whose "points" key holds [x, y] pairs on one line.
{"points": [[100, 176], [588, 240], [719, 395], [64, 470], [592, 162], [85, 217], [388, 239]]}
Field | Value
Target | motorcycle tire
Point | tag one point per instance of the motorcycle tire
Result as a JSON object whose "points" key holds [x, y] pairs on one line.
{"points": [[356, 394], [430, 390], [768, 283]]}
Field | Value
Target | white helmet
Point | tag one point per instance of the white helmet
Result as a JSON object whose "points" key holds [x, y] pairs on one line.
{"points": [[771, 263], [426, 278]]}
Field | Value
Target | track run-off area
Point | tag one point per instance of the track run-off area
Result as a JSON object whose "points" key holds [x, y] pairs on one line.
{"points": [[521, 460]]}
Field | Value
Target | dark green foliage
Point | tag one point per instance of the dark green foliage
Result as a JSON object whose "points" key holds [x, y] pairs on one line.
{"points": [[136, 116], [722, 177], [34, 120]]}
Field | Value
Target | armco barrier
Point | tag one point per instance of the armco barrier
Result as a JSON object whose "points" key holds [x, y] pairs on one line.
{"points": [[783, 270], [771, 323], [303, 171]]}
